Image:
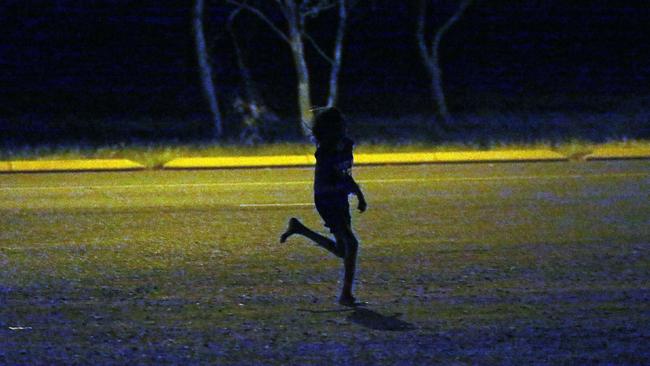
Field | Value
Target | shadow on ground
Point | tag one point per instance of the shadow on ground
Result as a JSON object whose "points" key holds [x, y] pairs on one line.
{"points": [[370, 319], [374, 320]]}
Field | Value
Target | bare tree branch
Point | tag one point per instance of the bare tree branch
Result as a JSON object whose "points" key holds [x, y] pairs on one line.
{"points": [[451, 21], [231, 18], [317, 47], [431, 53], [262, 17], [310, 9], [296, 13], [353, 3], [292, 14], [283, 9], [422, 45]]}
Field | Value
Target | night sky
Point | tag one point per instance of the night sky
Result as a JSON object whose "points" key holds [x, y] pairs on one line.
{"points": [[136, 58]]}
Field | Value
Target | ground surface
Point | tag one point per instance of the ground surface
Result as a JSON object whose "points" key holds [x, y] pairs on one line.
{"points": [[545, 263]]}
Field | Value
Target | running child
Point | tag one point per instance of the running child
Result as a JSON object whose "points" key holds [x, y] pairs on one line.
{"points": [[333, 183]]}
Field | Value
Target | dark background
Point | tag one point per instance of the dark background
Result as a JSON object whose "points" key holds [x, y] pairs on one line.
{"points": [[108, 71]]}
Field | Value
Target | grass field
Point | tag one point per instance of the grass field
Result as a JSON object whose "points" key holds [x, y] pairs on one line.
{"points": [[545, 263]]}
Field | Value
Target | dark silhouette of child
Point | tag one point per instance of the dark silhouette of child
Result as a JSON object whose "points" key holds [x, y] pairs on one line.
{"points": [[333, 183]]}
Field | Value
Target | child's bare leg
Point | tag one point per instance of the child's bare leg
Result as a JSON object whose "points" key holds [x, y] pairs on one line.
{"points": [[351, 246], [296, 227]]}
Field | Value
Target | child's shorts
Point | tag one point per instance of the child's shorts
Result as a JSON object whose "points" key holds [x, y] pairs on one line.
{"points": [[334, 208]]}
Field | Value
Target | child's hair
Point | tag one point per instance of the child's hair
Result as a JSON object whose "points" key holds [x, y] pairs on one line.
{"points": [[328, 126]]}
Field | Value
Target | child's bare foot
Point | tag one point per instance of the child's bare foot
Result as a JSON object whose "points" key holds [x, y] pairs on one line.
{"points": [[293, 228]]}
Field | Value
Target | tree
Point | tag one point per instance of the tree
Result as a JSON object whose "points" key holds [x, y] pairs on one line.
{"points": [[250, 89], [338, 51], [250, 105], [431, 54], [295, 14], [204, 68]]}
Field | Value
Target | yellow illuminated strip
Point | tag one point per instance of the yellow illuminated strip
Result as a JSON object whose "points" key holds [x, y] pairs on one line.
{"points": [[68, 165], [604, 153], [367, 159], [241, 162], [458, 157]]}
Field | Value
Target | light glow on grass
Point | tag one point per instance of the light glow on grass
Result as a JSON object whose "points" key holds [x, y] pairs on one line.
{"points": [[69, 165], [156, 155], [275, 204], [459, 157], [241, 162], [368, 159], [617, 152]]}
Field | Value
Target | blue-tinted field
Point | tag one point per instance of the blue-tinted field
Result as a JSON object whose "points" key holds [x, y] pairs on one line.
{"points": [[542, 263]]}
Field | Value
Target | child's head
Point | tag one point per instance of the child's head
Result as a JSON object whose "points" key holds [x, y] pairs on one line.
{"points": [[329, 126]]}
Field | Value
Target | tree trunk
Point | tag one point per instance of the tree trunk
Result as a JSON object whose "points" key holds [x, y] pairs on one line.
{"points": [[302, 74], [338, 50], [436, 84], [431, 57], [205, 70], [250, 89], [296, 23]]}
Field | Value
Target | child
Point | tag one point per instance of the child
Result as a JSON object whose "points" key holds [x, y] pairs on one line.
{"points": [[333, 183]]}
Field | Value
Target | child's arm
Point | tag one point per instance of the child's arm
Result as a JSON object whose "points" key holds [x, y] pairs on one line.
{"points": [[362, 200], [356, 190]]}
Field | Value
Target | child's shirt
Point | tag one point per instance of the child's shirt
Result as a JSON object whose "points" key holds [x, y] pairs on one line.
{"points": [[334, 168]]}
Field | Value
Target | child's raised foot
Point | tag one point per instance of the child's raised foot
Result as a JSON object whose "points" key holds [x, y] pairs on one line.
{"points": [[293, 228]]}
